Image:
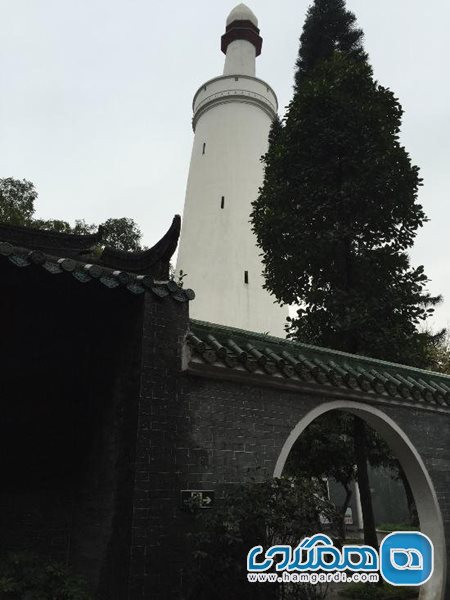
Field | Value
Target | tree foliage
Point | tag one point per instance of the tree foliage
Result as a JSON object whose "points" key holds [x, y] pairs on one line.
{"points": [[439, 353], [321, 440], [122, 234], [17, 199], [337, 212], [329, 27], [24, 575], [326, 449], [276, 511]]}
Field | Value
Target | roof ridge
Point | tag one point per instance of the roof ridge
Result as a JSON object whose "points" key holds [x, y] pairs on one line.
{"points": [[293, 343], [85, 270], [48, 240]]}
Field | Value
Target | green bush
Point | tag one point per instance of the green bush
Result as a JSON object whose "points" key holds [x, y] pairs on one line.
{"points": [[26, 576], [276, 511], [396, 527]]}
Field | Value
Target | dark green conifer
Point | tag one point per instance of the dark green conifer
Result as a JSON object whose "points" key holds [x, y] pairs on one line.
{"points": [[338, 210], [329, 27]]}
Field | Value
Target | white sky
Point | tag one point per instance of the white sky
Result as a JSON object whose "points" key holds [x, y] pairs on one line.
{"points": [[95, 102]]}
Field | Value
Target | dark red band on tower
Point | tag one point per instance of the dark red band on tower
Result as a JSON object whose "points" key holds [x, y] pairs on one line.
{"points": [[241, 30]]}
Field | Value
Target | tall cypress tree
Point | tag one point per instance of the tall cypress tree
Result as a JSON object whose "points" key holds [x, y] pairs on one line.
{"points": [[329, 27], [338, 210]]}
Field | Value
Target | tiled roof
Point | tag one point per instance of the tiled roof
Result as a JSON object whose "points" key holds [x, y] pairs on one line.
{"points": [[55, 243], [68, 254], [289, 363], [153, 262]]}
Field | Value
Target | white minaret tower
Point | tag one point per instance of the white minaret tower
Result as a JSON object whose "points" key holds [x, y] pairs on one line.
{"points": [[217, 251]]}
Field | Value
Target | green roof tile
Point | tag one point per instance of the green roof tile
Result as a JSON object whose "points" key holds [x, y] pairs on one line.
{"points": [[281, 360]]}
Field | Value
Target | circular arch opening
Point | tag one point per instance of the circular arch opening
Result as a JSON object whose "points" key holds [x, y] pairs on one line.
{"points": [[429, 513]]}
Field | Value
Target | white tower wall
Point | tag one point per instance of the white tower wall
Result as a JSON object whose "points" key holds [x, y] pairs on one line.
{"points": [[218, 252], [240, 58]]}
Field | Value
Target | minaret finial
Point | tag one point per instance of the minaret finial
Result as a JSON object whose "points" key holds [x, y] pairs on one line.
{"points": [[241, 41]]}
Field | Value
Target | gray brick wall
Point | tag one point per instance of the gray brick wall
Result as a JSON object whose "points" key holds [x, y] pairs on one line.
{"points": [[201, 433]]}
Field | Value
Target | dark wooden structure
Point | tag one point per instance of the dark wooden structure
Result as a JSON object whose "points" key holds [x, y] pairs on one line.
{"points": [[72, 329]]}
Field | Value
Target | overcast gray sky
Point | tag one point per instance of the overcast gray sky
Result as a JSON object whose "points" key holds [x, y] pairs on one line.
{"points": [[95, 102]]}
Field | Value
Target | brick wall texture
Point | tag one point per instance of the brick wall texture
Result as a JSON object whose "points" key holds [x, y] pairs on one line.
{"points": [[200, 433]]}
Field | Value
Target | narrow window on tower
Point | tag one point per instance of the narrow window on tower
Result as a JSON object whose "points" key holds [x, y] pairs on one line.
{"points": [[222, 202], [245, 276], [204, 148]]}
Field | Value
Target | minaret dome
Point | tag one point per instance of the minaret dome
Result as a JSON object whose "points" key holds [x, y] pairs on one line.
{"points": [[241, 12]]}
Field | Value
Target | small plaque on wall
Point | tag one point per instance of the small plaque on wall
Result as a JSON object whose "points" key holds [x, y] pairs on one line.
{"points": [[191, 499]]}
